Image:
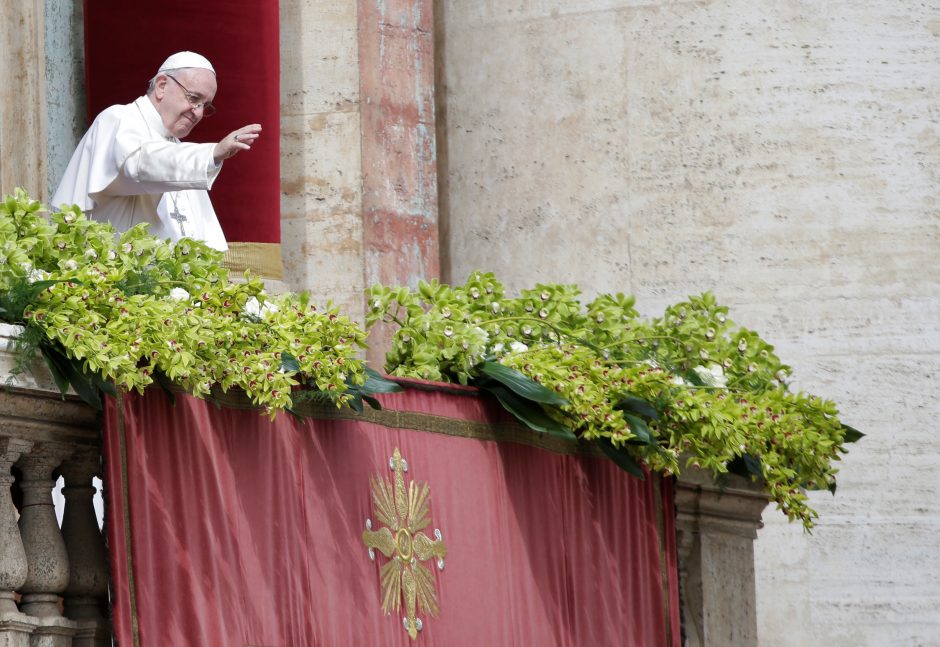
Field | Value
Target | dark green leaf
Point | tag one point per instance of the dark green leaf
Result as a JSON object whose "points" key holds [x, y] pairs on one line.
{"points": [[528, 412], [372, 402], [105, 385], [61, 381], [638, 406], [522, 384], [81, 382], [746, 466], [621, 458], [639, 429], [852, 434], [289, 363], [355, 403], [375, 383]]}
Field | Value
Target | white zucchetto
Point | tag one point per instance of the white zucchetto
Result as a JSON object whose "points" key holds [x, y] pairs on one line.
{"points": [[186, 59]]}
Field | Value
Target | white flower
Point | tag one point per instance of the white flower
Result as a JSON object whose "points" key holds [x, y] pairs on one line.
{"points": [[70, 265], [179, 294], [712, 375], [678, 381], [37, 275], [256, 308], [518, 347], [498, 348], [252, 307], [92, 254]]}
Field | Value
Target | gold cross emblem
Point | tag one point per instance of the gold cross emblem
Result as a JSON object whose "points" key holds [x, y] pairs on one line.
{"points": [[404, 513]]}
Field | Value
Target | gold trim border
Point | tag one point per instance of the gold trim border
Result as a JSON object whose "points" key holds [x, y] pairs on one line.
{"points": [[263, 259], [416, 421]]}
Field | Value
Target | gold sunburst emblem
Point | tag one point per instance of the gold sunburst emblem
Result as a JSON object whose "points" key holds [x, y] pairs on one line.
{"points": [[404, 513]]}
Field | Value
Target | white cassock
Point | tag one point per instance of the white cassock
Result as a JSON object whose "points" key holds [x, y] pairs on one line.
{"points": [[129, 169]]}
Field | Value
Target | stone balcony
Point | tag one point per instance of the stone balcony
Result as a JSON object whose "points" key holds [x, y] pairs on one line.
{"points": [[54, 581]]}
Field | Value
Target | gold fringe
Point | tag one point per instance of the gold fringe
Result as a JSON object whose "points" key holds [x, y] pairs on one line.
{"points": [[263, 259]]}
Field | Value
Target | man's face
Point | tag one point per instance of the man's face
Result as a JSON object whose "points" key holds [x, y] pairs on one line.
{"points": [[176, 110]]}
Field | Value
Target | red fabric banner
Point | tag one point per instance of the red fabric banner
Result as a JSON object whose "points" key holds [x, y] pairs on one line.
{"points": [[125, 43], [228, 529]]}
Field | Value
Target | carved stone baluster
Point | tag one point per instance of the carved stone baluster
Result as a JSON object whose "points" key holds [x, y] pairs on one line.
{"points": [[87, 590], [45, 550], [716, 527], [15, 627]]}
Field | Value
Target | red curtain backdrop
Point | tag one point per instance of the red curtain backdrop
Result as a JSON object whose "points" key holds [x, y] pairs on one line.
{"points": [[228, 529], [125, 43]]}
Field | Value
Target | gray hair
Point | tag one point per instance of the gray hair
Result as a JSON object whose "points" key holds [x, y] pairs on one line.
{"points": [[153, 82]]}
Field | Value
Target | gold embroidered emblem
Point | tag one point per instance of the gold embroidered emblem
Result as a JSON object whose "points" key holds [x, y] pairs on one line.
{"points": [[404, 514]]}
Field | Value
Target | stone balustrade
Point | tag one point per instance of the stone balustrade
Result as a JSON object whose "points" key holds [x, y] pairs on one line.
{"points": [[53, 582]]}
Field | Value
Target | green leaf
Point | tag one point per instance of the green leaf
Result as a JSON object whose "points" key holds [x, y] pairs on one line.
{"points": [[640, 429], [528, 412], [61, 381], [746, 466], [289, 363], [355, 403], [852, 434], [621, 458], [372, 402], [376, 383], [81, 382], [522, 384], [638, 406]]}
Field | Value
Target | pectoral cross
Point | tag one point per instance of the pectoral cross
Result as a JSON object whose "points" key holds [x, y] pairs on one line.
{"points": [[177, 216]]}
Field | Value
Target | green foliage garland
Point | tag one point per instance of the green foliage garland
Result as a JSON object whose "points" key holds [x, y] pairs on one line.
{"points": [[126, 311], [687, 384]]}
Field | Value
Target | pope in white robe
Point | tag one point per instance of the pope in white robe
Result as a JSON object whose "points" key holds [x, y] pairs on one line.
{"points": [[131, 167]]}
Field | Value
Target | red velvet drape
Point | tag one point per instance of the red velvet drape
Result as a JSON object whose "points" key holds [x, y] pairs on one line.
{"points": [[244, 531], [125, 43]]}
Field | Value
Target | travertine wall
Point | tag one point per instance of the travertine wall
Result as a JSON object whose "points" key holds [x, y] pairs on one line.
{"points": [[784, 155], [22, 97], [321, 168]]}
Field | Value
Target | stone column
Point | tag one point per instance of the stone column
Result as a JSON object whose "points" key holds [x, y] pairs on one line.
{"points": [[87, 590], [15, 627], [46, 557], [45, 550], [716, 527], [22, 97]]}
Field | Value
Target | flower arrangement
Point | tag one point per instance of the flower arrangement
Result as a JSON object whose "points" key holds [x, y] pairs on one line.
{"points": [[688, 384], [108, 311], [114, 312]]}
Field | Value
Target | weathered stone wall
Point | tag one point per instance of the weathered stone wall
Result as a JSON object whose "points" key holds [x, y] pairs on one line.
{"points": [[784, 155], [321, 168], [22, 97]]}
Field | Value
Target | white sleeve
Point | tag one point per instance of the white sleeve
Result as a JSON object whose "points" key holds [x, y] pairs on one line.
{"points": [[159, 166]]}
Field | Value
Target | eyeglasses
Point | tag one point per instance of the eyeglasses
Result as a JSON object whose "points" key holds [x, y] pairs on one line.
{"points": [[207, 108]]}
